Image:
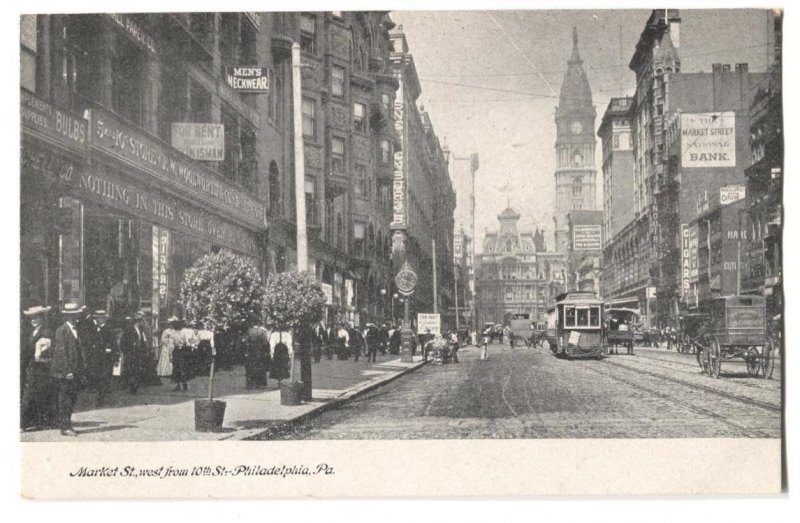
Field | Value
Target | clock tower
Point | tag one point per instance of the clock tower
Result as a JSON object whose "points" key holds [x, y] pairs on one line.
{"points": [[575, 144]]}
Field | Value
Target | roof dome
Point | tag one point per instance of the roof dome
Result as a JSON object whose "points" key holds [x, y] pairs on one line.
{"points": [[509, 214]]}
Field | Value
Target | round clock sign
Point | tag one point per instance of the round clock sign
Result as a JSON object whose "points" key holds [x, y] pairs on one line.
{"points": [[406, 280]]}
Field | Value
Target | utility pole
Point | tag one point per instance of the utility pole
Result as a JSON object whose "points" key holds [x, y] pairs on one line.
{"points": [[456, 273], [299, 161], [473, 166], [435, 291]]}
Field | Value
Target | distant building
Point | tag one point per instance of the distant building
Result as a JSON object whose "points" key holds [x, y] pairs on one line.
{"points": [[585, 250], [575, 175], [512, 274]]}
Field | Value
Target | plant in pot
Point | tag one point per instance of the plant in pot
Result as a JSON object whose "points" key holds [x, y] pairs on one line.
{"points": [[295, 302], [224, 293]]}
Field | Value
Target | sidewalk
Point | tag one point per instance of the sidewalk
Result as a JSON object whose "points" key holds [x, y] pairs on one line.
{"points": [[158, 414]]}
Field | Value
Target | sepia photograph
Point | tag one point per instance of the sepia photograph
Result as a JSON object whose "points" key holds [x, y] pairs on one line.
{"points": [[406, 227]]}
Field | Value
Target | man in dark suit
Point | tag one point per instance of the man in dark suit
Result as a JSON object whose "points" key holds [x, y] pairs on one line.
{"points": [[320, 340], [37, 389], [134, 349], [67, 366], [101, 353]]}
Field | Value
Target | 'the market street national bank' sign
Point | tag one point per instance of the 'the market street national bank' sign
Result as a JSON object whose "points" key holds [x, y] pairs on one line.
{"points": [[708, 139], [200, 141], [248, 79]]}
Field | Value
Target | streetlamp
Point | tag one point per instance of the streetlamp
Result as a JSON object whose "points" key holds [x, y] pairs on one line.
{"points": [[384, 292]]}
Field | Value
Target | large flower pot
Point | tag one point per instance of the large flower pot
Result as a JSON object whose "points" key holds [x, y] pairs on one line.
{"points": [[208, 415], [291, 392]]}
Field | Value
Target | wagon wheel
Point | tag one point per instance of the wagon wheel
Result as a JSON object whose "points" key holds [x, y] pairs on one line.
{"points": [[768, 359], [699, 353], [715, 357], [753, 361]]}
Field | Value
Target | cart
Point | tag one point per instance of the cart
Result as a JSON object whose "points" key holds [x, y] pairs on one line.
{"points": [[736, 328], [622, 330]]}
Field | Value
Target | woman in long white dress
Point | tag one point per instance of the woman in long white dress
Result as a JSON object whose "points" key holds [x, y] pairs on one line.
{"points": [[170, 338]]}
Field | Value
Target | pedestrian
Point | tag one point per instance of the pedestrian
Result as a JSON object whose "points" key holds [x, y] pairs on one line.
{"points": [[256, 354], [67, 366], [204, 352], [485, 344], [357, 343], [183, 343], [342, 342], [454, 344], [134, 349], [103, 354], [383, 338], [373, 340], [395, 340], [330, 340], [169, 342], [473, 337], [281, 361], [38, 391], [318, 341]]}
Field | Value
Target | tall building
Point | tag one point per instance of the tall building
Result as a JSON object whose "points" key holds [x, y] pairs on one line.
{"points": [[763, 248], [151, 202], [616, 139], [512, 274], [575, 174], [690, 140]]}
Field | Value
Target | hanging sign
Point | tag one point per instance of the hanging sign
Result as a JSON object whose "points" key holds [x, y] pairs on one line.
{"points": [[248, 79], [200, 141]]}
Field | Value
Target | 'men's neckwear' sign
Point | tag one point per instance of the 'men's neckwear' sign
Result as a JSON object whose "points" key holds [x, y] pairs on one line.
{"points": [[200, 141], [708, 139], [587, 237], [248, 79]]}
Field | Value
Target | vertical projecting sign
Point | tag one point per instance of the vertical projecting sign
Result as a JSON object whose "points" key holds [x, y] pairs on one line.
{"points": [[160, 267], [399, 182]]}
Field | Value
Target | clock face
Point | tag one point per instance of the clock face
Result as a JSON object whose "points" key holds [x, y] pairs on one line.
{"points": [[406, 281], [576, 128]]}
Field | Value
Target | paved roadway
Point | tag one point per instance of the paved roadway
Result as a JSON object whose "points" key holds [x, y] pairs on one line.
{"points": [[529, 393]]}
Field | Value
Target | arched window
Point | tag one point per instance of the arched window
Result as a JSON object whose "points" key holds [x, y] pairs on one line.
{"points": [[577, 186], [274, 187]]}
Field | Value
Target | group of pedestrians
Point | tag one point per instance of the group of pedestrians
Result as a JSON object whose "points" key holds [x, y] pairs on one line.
{"points": [[82, 355], [345, 341]]}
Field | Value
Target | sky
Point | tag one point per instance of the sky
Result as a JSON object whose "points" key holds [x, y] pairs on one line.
{"points": [[490, 82]]}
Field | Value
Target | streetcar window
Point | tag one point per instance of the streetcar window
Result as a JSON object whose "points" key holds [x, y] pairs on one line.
{"points": [[569, 317], [583, 318], [594, 316]]}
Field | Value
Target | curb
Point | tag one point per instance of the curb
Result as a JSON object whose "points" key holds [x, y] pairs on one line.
{"points": [[338, 401]]}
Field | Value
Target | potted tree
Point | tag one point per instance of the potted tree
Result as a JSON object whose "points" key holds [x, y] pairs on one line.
{"points": [[295, 301], [223, 292]]}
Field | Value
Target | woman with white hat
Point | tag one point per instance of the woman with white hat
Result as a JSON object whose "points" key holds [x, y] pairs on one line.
{"points": [[170, 339], [37, 392]]}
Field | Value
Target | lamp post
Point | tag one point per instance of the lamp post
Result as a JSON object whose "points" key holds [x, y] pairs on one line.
{"points": [[384, 292]]}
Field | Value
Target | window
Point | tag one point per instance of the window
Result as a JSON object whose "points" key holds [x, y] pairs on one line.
{"points": [[329, 220], [337, 81], [274, 187], [80, 63], [361, 180], [231, 123], [359, 117], [386, 102], [337, 154], [308, 33], [569, 316], [309, 117], [311, 208], [386, 151], [594, 317], [127, 70], [359, 230], [577, 186], [616, 141]]}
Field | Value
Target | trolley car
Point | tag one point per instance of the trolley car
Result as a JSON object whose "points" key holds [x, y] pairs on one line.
{"points": [[575, 326]]}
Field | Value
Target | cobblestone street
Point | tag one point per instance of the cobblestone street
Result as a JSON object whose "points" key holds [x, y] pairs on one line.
{"points": [[525, 393]]}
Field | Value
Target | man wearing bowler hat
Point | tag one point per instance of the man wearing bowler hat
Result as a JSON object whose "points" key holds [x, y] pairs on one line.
{"points": [[133, 345], [67, 366], [36, 401]]}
